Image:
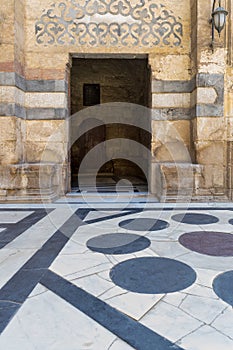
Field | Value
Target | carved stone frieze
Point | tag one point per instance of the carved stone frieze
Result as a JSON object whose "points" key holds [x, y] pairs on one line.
{"points": [[94, 23]]}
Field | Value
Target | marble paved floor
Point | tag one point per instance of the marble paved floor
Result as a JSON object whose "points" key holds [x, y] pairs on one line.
{"points": [[116, 277]]}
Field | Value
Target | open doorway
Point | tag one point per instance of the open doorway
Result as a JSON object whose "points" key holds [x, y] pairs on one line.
{"points": [[100, 80]]}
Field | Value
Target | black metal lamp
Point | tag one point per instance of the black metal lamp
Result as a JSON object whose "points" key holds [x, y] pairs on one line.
{"points": [[218, 20]]}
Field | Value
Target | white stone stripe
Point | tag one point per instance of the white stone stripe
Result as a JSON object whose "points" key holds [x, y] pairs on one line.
{"points": [[45, 100], [206, 95], [171, 100], [11, 94]]}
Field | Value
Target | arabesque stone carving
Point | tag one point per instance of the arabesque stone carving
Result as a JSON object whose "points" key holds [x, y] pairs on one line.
{"points": [[109, 22]]}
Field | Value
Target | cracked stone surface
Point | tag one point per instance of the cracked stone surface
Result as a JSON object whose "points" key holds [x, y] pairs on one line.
{"points": [[56, 293]]}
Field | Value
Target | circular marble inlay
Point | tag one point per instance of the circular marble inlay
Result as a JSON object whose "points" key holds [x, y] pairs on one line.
{"points": [[223, 287], [144, 224], [118, 243], [195, 218], [152, 275], [231, 221], [209, 243]]}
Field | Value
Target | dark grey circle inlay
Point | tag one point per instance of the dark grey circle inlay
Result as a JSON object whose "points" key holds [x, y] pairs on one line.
{"points": [[209, 243], [118, 243], [144, 224], [195, 218], [231, 221], [223, 287], [152, 275]]}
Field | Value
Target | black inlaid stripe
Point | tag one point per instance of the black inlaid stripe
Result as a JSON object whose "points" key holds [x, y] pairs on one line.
{"points": [[13, 230], [18, 288], [114, 216], [134, 333]]}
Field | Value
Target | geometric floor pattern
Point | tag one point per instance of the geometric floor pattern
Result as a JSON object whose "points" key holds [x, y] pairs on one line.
{"points": [[155, 277]]}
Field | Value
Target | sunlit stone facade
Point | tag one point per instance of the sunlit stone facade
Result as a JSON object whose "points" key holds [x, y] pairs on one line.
{"points": [[188, 88]]}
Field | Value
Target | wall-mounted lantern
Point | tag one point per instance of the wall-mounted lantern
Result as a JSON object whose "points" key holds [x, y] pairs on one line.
{"points": [[218, 19]]}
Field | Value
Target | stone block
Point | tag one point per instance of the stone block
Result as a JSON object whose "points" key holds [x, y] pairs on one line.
{"points": [[178, 180], [229, 129], [229, 104], [171, 114], [46, 131], [10, 177], [9, 153], [42, 176], [171, 152], [212, 178], [3, 193], [53, 152], [171, 100], [206, 95], [212, 62], [212, 129], [170, 67], [173, 86], [45, 100], [209, 110], [171, 131], [8, 129], [46, 113], [210, 152]]}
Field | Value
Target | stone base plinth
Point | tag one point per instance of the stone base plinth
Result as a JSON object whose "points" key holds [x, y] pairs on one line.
{"points": [[31, 182], [185, 182]]}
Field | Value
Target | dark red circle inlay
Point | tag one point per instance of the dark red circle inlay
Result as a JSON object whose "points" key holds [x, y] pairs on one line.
{"points": [[209, 243]]}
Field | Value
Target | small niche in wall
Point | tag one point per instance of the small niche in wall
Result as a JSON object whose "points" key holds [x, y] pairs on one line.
{"points": [[91, 94]]}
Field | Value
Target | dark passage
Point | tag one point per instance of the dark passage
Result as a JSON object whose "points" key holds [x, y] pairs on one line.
{"points": [[99, 81]]}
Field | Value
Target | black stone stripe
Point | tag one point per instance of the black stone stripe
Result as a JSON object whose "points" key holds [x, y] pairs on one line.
{"points": [[115, 216], [173, 86], [13, 230], [171, 113], [14, 79], [18, 288], [13, 109], [124, 327]]}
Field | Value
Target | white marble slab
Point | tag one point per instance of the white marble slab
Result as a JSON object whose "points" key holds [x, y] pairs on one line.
{"points": [[20, 250], [12, 217], [205, 277], [202, 308], [40, 232], [48, 322], [168, 249], [94, 284], [174, 299], [206, 338], [133, 304], [120, 345], [74, 266], [201, 261], [170, 322], [224, 322], [11, 260], [201, 291]]}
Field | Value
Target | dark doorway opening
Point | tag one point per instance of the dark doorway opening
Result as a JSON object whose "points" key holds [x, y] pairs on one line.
{"points": [[104, 80]]}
